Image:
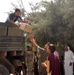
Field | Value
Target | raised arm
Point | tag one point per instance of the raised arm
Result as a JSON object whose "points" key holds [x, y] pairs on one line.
{"points": [[33, 40]]}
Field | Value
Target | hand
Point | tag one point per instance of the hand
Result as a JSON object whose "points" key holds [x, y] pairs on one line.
{"points": [[30, 36], [70, 64], [46, 46], [27, 21], [33, 40], [44, 65]]}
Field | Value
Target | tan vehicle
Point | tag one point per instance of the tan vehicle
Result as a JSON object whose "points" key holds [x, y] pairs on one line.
{"points": [[12, 47]]}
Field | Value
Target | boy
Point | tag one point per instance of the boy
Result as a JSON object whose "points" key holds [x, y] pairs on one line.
{"points": [[13, 17], [52, 58], [54, 61]]}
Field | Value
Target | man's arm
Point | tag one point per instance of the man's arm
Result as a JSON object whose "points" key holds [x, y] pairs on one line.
{"points": [[27, 21], [11, 21], [14, 23], [35, 44], [33, 40], [72, 58], [24, 21]]}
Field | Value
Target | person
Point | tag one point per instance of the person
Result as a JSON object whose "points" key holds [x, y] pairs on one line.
{"points": [[62, 65], [35, 63], [19, 69], [43, 55], [54, 61], [13, 17], [24, 67], [68, 61]]}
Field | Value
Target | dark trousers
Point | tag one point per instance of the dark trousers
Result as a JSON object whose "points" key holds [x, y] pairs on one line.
{"points": [[36, 69]]}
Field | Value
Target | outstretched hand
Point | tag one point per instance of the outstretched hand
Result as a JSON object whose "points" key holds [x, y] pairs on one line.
{"points": [[31, 37], [32, 40], [27, 21], [46, 46], [44, 65]]}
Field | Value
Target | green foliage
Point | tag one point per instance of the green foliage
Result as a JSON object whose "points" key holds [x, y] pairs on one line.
{"points": [[53, 21]]}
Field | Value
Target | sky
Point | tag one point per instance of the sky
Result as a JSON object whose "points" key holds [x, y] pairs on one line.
{"points": [[5, 6]]}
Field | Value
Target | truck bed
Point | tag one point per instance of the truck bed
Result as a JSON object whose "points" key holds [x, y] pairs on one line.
{"points": [[8, 43], [11, 38]]}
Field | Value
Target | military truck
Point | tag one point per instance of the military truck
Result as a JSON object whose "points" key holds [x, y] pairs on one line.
{"points": [[12, 47]]}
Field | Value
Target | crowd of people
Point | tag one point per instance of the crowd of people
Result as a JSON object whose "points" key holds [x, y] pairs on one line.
{"points": [[58, 65]]}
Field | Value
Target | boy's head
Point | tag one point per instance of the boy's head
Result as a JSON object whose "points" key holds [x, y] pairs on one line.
{"points": [[17, 12], [50, 48]]}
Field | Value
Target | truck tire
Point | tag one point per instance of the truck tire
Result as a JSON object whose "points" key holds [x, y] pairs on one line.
{"points": [[3, 70]]}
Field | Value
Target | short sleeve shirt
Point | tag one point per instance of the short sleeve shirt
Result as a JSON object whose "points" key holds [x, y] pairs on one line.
{"points": [[54, 64], [14, 18]]}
